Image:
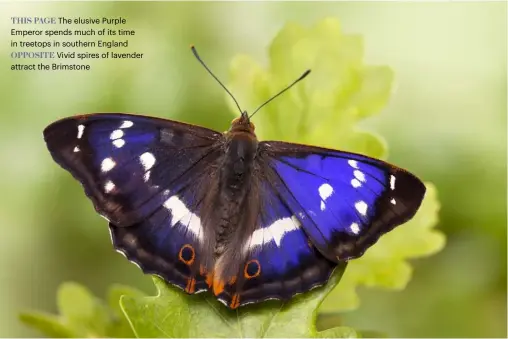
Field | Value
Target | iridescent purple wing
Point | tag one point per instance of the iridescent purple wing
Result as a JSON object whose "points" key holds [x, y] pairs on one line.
{"points": [[344, 201], [148, 177]]}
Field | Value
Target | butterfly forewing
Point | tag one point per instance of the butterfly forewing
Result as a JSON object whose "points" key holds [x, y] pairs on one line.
{"points": [[125, 162], [344, 201]]}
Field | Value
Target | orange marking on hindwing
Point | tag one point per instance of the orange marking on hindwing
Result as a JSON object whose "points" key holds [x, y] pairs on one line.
{"points": [[258, 271], [191, 285], [190, 261], [208, 275], [209, 279], [235, 302], [232, 280], [218, 286]]}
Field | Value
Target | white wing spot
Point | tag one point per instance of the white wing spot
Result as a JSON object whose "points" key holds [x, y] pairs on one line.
{"points": [[353, 163], [180, 213], [126, 124], [76, 149], [116, 134], [109, 186], [146, 176], [393, 201], [147, 160], [107, 165], [257, 238], [275, 232], [81, 129], [359, 175], [392, 182], [118, 143], [356, 183], [325, 191], [355, 228], [361, 207]]}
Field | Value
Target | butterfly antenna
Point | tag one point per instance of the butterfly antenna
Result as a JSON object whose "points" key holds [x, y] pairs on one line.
{"points": [[213, 75], [285, 89]]}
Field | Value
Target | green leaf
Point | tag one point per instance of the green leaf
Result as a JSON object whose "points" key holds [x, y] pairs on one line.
{"points": [[81, 310], [173, 313], [50, 325], [118, 325], [325, 321], [325, 109], [338, 332], [372, 334], [84, 315]]}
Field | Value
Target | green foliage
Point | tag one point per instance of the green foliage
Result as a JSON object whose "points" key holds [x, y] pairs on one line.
{"points": [[83, 315], [324, 109], [175, 314]]}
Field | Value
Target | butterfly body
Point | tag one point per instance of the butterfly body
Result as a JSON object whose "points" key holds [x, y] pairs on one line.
{"points": [[247, 220], [231, 195]]}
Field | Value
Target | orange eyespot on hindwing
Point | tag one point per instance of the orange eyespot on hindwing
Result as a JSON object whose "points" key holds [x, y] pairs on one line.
{"points": [[252, 269], [186, 254]]}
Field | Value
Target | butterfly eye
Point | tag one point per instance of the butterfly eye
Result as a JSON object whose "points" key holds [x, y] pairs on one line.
{"points": [[252, 269], [187, 255]]}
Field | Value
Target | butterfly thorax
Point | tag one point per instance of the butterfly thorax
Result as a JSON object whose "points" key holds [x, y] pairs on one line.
{"points": [[235, 180]]}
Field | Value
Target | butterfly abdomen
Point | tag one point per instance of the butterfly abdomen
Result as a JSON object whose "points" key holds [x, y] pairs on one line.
{"points": [[232, 209]]}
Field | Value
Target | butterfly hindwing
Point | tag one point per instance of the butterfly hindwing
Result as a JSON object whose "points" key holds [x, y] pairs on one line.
{"points": [[279, 259], [170, 242], [344, 201]]}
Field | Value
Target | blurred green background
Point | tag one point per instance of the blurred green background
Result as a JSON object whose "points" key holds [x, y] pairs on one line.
{"points": [[446, 121]]}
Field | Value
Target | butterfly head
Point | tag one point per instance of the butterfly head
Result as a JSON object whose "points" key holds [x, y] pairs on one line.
{"points": [[242, 124]]}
